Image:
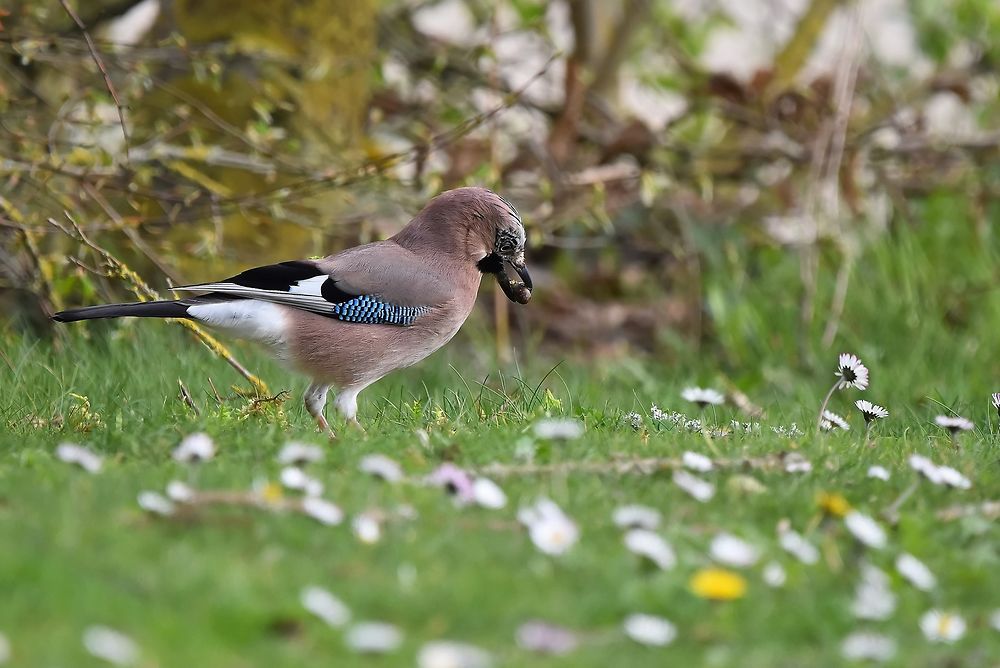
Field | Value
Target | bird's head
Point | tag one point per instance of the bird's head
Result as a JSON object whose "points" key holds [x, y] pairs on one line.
{"points": [[482, 228]]}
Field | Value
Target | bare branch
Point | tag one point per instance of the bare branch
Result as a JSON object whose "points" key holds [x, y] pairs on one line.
{"points": [[104, 70]]}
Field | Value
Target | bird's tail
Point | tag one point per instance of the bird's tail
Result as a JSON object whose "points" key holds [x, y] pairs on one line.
{"points": [[160, 309]]}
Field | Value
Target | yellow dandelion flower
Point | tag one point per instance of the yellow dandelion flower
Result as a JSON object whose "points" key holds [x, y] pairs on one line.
{"points": [[718, 584], [833, 503], [271, 493]]}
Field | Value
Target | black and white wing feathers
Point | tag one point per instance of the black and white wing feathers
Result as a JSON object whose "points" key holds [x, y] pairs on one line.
{"points": [[302, 284]]}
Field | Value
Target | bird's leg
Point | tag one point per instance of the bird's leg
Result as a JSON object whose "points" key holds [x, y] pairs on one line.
{"points": [[315, 400], [347, 404]]}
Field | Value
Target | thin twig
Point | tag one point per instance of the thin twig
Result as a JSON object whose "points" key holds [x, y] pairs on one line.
{"points": [[186, 397], [100, 65], [145, 293], [218, 397]]}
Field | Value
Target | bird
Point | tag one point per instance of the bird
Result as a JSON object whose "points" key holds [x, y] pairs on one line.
{"points": [[351, 318]]}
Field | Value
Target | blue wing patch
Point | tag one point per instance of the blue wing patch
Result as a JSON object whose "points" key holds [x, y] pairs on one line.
{"points": [[374, 311]]}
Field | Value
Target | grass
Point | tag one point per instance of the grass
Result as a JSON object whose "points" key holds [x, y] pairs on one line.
{"points": [[221, 588]]}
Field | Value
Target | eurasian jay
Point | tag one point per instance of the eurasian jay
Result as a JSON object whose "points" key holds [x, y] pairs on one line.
{"points": [[349, 319]]}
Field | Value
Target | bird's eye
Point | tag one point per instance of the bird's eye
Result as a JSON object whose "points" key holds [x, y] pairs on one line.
{"points": [[505, 247]]}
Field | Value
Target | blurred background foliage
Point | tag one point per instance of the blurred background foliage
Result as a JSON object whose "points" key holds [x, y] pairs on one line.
{"points": [[688, 171]]}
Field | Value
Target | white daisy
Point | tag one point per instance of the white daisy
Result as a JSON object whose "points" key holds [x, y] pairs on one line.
{"points": [[915, 571], [382, 467], [651, 546], [868, 646], [873, 599], [156, 503], [798, 546], [546, 638], [179, 492], [926, 468], [954, 423], [373, 637], [774, 575], [940, 626], [953, 478], [865, 529], [878, 472], [549, 528], [696, 461], [636, 517], [657, 413], [110, 645], [325, 605], [87, 459], [559, 429], [197, 447], [833, 421], [322, 510], [366, 528], [300, 454], [488, 494], [995, 620], [649, 630], [294, 478], [871, 411], [733, 551], [995, 400], [448, 654], [699, 489], [852, 372], [796, 463], [703, 396]]}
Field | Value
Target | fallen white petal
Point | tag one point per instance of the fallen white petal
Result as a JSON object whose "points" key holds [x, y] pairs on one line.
{"points": [[866, 530], [915, 571], [868, 646], [733, 551], [325, 605], [488, 494], [156, 503], [382, 467], [650, 546], [366, 528], [448, 654], [774, 575], [700, 490], [373, 637], [559, 429], [798, 546], [696, 462], [636, 517], [649, 630], [71, 453], [110, 645], [322, 510], [878, 472], [179, 492]]}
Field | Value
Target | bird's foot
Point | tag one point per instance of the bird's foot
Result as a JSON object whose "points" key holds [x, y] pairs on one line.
{"points": [[357, 425], [324, 427]]}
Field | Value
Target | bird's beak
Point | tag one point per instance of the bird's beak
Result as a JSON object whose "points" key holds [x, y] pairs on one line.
{"points": [[518, 292]]}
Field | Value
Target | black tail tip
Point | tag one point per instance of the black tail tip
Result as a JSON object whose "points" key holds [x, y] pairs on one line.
{"points": [[62, 316]]}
